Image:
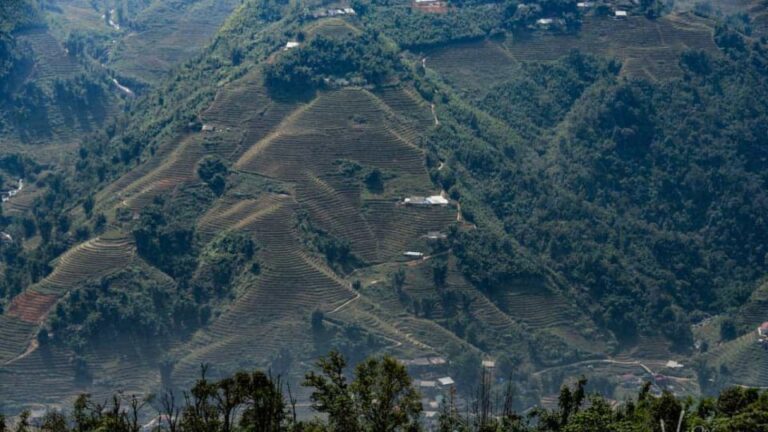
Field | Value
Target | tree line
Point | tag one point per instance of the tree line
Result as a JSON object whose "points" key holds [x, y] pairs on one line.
{"points": [[380, 396]]}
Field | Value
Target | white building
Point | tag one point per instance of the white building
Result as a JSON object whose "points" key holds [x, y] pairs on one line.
{"points": [[621, 14], [445, 381], [762, 331], [413, 254]]}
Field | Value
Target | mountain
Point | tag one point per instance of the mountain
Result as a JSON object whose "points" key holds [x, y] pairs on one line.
{"points": [[460, 181]]}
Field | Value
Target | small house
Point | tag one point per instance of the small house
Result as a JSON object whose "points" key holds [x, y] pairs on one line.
{"points": [[290, 45], [544, 22], [445, 381], [4, 236], [621, 14], [489, 364], [584, 5], [435, 235], [413, 254], [762, 331], [416, 200], [208, 128], [349, 11], [673, 365], [427, 384], [437, 200]]}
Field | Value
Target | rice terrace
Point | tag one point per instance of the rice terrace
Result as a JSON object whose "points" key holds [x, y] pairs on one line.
{"points": [[540, 215]]}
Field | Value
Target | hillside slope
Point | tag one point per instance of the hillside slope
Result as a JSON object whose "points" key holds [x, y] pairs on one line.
{"points": [[586, 207]]}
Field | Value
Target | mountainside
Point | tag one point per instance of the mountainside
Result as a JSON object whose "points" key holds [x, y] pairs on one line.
{"points": [[451, 180]]}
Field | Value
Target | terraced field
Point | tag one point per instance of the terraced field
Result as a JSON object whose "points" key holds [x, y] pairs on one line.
{"points": [[170, 34], [27, 311], [52, 61], [744, 359], [473, 66], [289, 287], [755, 311], [647, 48]]}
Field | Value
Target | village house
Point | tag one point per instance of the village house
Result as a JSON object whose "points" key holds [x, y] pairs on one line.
{"points": [[762, 331], [621, 14], [290, 45], [544, 22], [435, 235], [208, 128], [413, 254], [445, 381], [8, 194], [425, 201]]}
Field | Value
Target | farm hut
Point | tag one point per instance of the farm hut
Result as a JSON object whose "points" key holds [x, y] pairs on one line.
{"points": [[437, 361], [349, 11], [290, 45], [208, 128], [445, 381], [621, 14], [762, 331], [427, 384], [419, 361], [584, 5], [4, 236], [489, 364], [437, 200], [413, 254], [435, 235], [416, 200], [544, 22]]}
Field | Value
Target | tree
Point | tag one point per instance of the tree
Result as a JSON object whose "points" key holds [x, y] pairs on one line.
{"points": [[331, 394], [265, 406], [385, 397], [317, 320], [728, 329], [214, 173]]}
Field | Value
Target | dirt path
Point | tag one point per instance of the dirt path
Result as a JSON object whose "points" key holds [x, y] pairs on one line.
{"points": [[434, 114], [341, 306], [587, 362], [33, 346]]}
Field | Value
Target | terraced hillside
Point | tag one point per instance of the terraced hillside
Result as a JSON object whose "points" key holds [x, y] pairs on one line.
{"points": [[55, 120], [29, 310], [299, 151], [647, 49]]}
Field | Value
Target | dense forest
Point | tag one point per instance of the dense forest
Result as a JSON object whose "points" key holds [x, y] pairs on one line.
{"points": [[379, 396], [647, 197]]}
